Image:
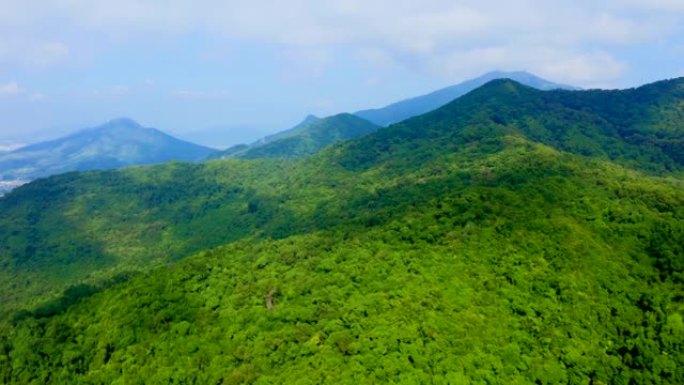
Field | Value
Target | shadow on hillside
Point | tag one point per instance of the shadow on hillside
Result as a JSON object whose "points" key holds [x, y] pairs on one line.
{"points": [[70, 296]]}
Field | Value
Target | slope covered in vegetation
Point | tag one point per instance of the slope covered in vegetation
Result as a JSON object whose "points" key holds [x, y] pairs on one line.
{"points": [[305, 139], [408, 108], [92, 226], [522, 266], [513, 236], [641, 128]]}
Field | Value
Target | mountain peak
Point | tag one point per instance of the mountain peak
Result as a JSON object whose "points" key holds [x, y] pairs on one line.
{"points": [[501, 87], [123, 122], [498, 74], [526, 78], [117, 143], [311, 118], [506, 84], [405, 109]]}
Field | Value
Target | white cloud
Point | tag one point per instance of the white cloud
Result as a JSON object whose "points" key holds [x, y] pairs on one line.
{"points": [[5, 146], [590, 70], [421, 35], [32, 52], [575, 67], [47, 54], [658, 5], [11, 89]]}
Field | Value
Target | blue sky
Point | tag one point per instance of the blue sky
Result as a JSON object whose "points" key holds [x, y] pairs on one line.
{"points": [[220, 72]]}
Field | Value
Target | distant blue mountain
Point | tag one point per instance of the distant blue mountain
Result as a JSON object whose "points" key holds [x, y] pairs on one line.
{"points": [[118, 143], [402, 110]]}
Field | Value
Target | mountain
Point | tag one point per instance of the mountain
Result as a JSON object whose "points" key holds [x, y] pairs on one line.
{"points": [[136, 217], [118, 143], [308, 120], [419, 105], [511, 236], [240, 149], [637, 127], [314, 134], [304, 139]]}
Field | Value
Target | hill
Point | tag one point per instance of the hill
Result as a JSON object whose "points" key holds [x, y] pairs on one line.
{"points": [[314, 134], [308, 120], [483, 242], [525, 266], [118, 143], [70, 227], [304, 139], [402, 110], [638, 128]]}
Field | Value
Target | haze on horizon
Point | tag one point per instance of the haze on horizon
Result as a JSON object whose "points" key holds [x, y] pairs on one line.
{"points": [[200, 68]]}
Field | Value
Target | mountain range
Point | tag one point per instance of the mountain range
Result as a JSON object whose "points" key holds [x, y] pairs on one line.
{"points": [[402, 110], [118, 143], [123, 142], [313, 133], [510, 236]]}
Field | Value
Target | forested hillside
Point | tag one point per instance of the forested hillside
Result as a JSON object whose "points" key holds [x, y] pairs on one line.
{"points": [[305, 139], [640, 128], [512, 236], [408, 108], [77, 226]]}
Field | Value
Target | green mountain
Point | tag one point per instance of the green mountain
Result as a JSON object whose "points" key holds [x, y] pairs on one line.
{"points": [[639, 128], [304, 139], [118, 143], [313, 133], [402, 110], [308, 120], [513, 236]]}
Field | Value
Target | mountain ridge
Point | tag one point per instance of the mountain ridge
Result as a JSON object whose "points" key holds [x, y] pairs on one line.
{"points": [[118, 143], [241, 200], [418, 105], [481, 263], [615, 124], [304, 139], [392, 113], [512, 236]]}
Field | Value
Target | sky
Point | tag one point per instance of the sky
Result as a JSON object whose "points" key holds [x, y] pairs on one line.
{"points": [[220, 72]]}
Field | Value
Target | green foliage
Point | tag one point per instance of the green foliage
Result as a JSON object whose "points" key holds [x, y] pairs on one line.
{"points": [[640, 128], [528, 266], [453, 248], [305, 139]]}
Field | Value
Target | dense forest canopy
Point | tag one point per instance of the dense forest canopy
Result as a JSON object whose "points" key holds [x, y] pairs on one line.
{"points": [[511, 236]]}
